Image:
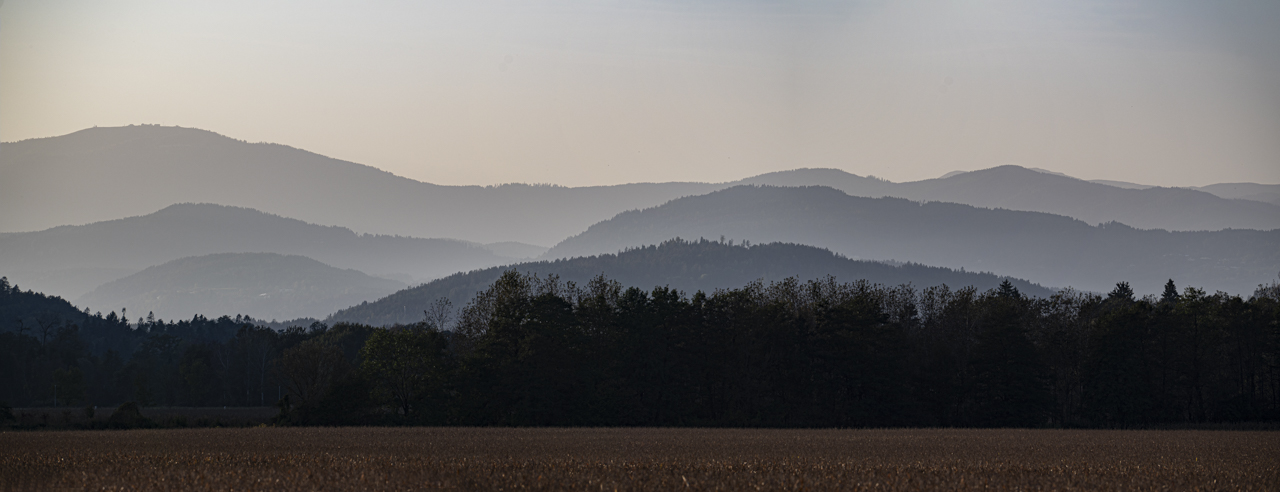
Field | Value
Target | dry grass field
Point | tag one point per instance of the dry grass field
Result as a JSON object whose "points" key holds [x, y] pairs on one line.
{"points": [[638, 459]]}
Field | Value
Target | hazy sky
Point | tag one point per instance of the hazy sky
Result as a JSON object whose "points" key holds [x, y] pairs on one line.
{"points": [[1164, 92]]}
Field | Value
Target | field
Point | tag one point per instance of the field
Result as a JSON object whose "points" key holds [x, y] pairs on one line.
{"points": [[638, 459]]}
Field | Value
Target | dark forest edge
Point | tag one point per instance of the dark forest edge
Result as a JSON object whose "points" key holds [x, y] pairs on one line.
{"points": [[533, 350]]}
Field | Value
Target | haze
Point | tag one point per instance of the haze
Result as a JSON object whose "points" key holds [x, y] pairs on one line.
{"points": [[1166, 93]]}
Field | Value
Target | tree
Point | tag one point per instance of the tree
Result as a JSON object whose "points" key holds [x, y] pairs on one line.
{"points": [[1170, 295], [1007, 290], [1009, 379], [1123, 387], [309, 370], [257, 347], [439, 314], [48, 322], [405, 366], [1122, 292], [857, 357]]}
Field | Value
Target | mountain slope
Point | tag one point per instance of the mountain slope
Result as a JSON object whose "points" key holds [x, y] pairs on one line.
{"points": [[261, 285], [105, 173], [68, 260], [1047, 249], [688, 266]]}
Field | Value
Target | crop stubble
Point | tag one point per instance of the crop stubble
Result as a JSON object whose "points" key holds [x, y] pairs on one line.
{"points": [[638, 459]]}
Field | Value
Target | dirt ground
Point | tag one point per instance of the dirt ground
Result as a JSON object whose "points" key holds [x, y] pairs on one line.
{"points": [[638, 459]]}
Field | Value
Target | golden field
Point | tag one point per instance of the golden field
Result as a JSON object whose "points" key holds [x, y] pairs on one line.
{"points": [[638, 459]]}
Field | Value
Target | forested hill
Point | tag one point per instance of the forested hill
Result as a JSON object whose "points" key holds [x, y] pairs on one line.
{"points": [[688, 266], [66, 261], [1043, 248], [261, 285], [54, 323]]}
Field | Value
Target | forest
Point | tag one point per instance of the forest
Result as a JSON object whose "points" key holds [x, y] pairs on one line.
{"points": [[534, 350]]}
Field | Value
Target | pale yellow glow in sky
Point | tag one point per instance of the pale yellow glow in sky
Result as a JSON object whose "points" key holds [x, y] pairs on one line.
{"points": [[1170, 93]]}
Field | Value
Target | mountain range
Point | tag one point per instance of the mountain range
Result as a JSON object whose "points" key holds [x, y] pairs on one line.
{"points": [[70, 261], [1018, 188], [101, 167], [1051, 250], [688, 266], [350, 223]]}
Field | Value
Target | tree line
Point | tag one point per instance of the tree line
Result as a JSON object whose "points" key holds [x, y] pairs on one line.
{"points": [[533, 350]]}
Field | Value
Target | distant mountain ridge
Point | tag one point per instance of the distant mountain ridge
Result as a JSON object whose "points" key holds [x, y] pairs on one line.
{"points": [[102, 169], [70, 260], [262, 285], [688, 266], [1047, 249], [1245, 191], [1017, 188]]}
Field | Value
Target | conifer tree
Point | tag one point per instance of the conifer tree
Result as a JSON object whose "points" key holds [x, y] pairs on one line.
{"points": [[1170, 295]]}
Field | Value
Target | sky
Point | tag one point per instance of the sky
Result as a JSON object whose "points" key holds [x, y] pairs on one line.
{"points": [[1167, 92]]}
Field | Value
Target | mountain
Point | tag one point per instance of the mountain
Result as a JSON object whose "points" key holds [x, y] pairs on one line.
{"points": [[1245, 191], [71, 260], [1125, 184], [1018, 188], [1231, 191], [261, 285], [517, 250], [1047, 249], [688, 266], [104, 173]]}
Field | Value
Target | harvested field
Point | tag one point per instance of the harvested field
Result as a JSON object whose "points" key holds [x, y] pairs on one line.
{"points": [[638, 459]]}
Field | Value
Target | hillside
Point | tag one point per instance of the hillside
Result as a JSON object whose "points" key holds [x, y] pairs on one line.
{"points": [[688, 266], [1047, 249], [71, 260], [261, 285], [102, 167]]}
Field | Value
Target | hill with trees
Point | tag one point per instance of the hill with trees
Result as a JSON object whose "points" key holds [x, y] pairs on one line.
{"points": [[1051, 250], [687, 266], [71, 260], [261, 285], [127, 171]]}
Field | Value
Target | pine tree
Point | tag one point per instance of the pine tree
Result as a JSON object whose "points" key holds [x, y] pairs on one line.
{"points": [[1008, 291], [1122, 292], [1170, 295]]}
